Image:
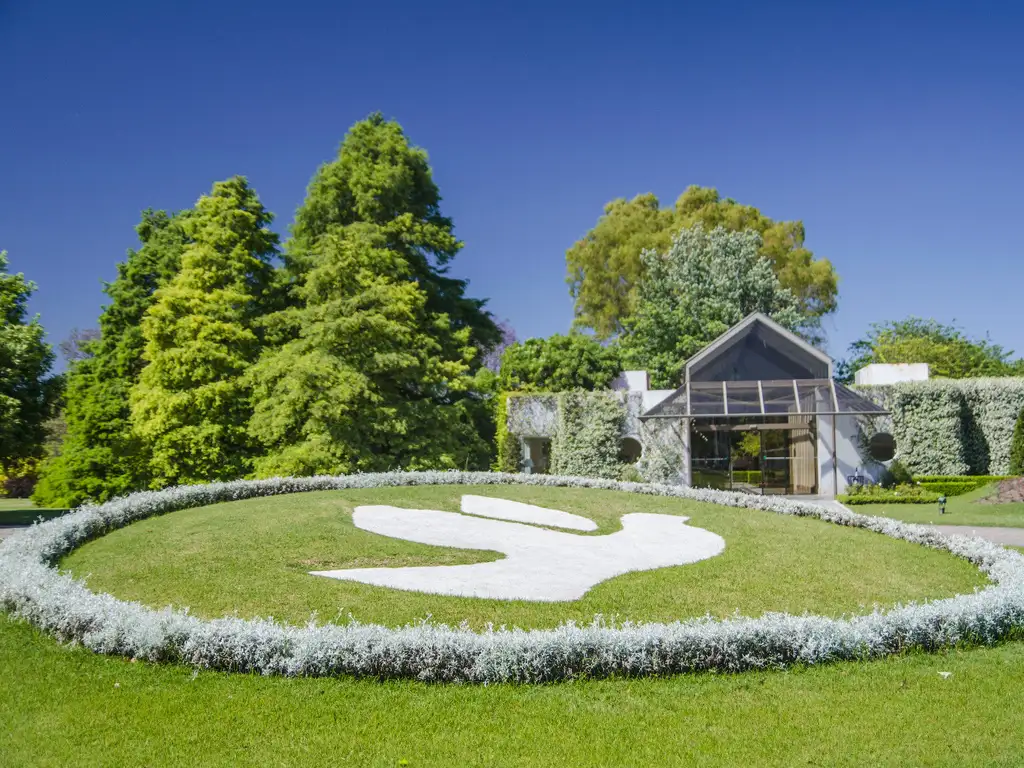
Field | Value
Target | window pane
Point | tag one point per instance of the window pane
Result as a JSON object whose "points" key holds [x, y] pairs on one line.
{"points": [[706, 398], [743, 397], [779, 397]]}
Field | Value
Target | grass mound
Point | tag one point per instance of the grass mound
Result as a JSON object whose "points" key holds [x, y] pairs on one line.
{"points": [[252, 558]]}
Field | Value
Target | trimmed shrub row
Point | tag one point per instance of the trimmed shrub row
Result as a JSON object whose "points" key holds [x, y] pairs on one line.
{"points": [[950, 487], [31, 588], [877, 494]]}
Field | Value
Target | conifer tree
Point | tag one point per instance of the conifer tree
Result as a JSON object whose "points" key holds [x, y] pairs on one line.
{"points": [[191, 404], [382, 346], [378, 178], [99, 456]]}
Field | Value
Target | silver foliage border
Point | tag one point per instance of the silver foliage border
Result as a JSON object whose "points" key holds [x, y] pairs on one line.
{"points": [[31, 588]]}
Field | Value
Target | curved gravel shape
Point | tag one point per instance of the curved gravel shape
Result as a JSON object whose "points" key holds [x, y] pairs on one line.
{"points": [[539, 564], [31, 588]]}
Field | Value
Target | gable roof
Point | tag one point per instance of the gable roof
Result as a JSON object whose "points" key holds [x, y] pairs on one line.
{"points": [[742, 329]]}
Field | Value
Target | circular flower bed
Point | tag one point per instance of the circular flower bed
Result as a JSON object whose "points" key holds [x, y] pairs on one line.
{"points": [[32, 588]]}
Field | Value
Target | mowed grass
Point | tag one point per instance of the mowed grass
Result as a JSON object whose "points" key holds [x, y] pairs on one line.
{"points": [[252, 558], [24, 512], [62, 706], [960, 510]]}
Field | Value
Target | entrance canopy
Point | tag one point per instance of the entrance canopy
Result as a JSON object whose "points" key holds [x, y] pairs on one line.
{"points": [[738, 399]]}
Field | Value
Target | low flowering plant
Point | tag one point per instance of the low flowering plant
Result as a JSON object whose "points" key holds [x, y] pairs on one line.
{"points": [[31, 588]]}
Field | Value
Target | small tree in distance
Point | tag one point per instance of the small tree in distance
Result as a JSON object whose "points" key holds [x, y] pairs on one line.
{"points": [[1017, 447]]}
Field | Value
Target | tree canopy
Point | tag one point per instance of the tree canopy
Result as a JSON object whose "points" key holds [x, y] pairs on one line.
{"points": [[26, 393], [706, 282], [191, 404], [374, 379], [558, 363], [378, 178], [949, 352], [605, 268], [380, 346]]}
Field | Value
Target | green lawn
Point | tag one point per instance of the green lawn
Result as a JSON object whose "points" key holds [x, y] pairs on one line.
{"points": [[960, 510], [24, 512], [63, 706], [252, 557]]}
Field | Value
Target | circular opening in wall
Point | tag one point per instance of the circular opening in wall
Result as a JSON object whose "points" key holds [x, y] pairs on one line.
{"points": [[630, 450], [882, 446]]}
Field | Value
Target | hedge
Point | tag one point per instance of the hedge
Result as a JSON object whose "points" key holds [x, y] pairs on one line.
{"points": [[876, 494], [31, 588], [953, 426], [587, 435], [949, 487]]}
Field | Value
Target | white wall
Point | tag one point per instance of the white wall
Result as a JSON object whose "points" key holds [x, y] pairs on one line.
{"points": [[878, 374], [848, 460]]}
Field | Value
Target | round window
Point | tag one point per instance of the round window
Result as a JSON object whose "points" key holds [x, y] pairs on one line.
{"points": [[630, 450], [882, 446]]}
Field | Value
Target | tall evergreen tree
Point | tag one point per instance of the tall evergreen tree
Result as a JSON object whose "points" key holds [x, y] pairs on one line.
{"points": [[378, 178], [373, 380], [377, 371], [99, 457], [191, 404], [25, 359]]}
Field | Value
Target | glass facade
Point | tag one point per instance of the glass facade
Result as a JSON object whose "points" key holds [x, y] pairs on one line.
{"points": [[767, 455]]}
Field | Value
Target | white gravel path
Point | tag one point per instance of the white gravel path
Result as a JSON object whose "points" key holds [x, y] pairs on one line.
{"points": [[503, 509], [540, 564]]}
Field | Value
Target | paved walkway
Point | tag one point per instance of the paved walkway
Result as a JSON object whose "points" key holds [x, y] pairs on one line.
{"points": [[1012, 536], [10, 530]]}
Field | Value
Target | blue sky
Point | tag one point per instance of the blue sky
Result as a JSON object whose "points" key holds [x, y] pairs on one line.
{"points": [[893, 130]]}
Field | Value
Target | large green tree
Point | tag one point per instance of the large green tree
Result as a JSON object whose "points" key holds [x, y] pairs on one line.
{"points": [[605, 266], [379, 178], [26, 393], [373, 378], [99, 456], [949, 352], [191, 404], [702, 285], [378, 363], [558, 363]]}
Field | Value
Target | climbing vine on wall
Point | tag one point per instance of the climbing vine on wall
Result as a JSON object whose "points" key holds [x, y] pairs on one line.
{"points": [[586, 439], [953, 426], [509, 454]]}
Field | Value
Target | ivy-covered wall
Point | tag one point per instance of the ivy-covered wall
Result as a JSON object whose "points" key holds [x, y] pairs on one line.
{"points": [[587, 435], [586, 429], [952, 426]]}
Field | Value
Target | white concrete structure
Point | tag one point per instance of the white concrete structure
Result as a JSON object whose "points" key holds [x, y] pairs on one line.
{"points": [[879, 374], [539, 564]]}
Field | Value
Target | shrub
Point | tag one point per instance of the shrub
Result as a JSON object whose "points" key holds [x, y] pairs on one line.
{"points": [[31, 588], [509, 454], [899, 494], [896, 474], [1017, 446], [20, 479], [949, 487]]}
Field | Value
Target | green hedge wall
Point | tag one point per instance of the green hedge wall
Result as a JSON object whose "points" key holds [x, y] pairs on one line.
{"points": [[586, 439], [953, 426], [950, 487]]}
